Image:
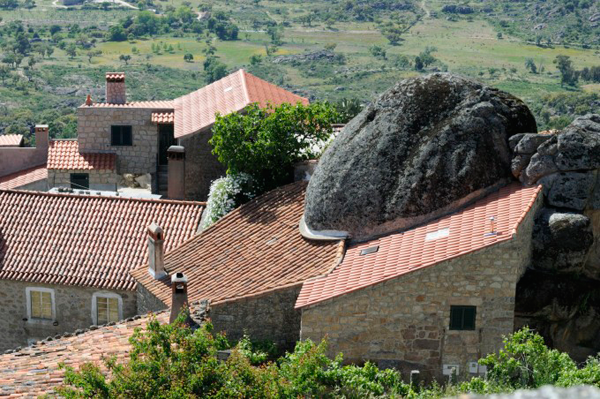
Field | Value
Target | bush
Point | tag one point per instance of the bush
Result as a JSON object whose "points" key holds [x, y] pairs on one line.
{"points": [[226, 194], [266, 142]]}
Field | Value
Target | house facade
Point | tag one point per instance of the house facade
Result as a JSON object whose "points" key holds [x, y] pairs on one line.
{"points": [[65, 259]]}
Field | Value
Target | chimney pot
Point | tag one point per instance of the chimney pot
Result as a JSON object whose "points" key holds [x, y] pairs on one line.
{"points": [[88, 101], [116, 92], [41, 136], [179, 299], [156, 262]]}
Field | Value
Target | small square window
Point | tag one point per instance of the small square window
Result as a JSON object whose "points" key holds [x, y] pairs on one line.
{"points": [[80, 181], [121, 136], [40, 303], [106, 308], [462, 317]]}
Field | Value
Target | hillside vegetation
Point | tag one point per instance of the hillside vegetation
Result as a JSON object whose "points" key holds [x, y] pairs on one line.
{"points": [[52, 55]]}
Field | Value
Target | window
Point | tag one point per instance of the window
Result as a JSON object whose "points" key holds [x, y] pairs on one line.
{"points": [[40, 303], [462, 317], [121, 135], [106, 308], [80, 181]]}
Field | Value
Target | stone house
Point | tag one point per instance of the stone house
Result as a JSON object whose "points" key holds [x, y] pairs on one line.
{"points": [[65, 259], [434, 298], [141, 133], [20, 166]]}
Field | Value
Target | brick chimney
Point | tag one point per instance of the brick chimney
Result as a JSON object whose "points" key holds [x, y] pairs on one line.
{"points": [[176, 176], [179, 299], [115, 88], [156, 262]]}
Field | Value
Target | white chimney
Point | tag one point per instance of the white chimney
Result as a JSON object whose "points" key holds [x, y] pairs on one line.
{"points": [[115, 88], [156, 261]]}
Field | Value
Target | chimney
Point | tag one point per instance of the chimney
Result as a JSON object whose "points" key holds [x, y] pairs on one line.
{"points": [[156, 262], [176, 174], [115, 88], [41, 136], [179, 299]]}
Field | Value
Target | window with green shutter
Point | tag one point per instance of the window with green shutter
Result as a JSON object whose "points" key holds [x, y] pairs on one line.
{"points": [[462, 317]]}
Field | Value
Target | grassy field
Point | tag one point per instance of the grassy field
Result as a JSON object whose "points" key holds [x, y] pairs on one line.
{"points": [[468, 46]]}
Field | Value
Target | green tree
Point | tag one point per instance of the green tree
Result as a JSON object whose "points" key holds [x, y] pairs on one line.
{"points": [[125, 58], [530, 65], [568, 74], [378, 52], [71, 50], [418, 63], [188, 57], [266, 142], [93, 53], [275, 32], [116, 33], [4, 73]]}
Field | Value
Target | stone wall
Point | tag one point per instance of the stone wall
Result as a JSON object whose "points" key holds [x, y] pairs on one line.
{"points": [[147, 302], [99, 179], [73, 310], [201, 166], [404, 322], [94, 135], [270, 316], [15, 159]]}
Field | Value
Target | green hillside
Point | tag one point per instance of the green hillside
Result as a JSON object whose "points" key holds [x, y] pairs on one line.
{"points": [[350, 49]]}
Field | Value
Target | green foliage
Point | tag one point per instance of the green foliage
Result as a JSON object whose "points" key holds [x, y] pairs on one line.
{"points": [[568, 74], [266, 142]]}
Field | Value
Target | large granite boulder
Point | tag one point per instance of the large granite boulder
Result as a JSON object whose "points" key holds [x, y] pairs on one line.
{"points": [[426, 146], [561, 240]]}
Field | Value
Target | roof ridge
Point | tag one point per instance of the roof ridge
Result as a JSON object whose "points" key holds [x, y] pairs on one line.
{"points": [[154, 200], [245, 85]]}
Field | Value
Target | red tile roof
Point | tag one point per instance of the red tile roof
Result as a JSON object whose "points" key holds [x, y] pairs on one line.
{"points": [[115, 76], [254, 249], [457, 234], [163, 117], [159, 104], [11, 140], [23, 177], [85, 240], [65, 155], [33, 371], [196, 111]]}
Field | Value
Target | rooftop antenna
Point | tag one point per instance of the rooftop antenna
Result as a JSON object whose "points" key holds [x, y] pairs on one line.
{"points": [[492, 231]]}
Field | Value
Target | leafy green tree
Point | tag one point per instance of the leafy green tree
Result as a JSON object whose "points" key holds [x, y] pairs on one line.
{"points": [[275, 32], [427, 57], [93, 53], [265, 142], [378, 52], [116, 33], [568, 74], [255, 59], [188, 57], [530, 65], [418, 63], [4, 73], [125, 58], [71, 50]]}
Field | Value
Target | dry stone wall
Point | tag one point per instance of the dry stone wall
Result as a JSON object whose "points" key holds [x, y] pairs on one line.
{"points": [[73, 307], [94, 135], [404, 322]]}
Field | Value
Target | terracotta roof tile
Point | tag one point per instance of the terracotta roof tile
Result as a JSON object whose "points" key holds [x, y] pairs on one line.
{"points": [[65, 155], [196, 111], [163, 117], [34, 371], [254, 249], [85, 240], [115, 76], [443, 239], [159, 104], [23, 177], [11, 140]]}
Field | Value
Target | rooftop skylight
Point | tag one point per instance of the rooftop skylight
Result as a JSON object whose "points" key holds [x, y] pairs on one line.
{"points": [[435, 235]]}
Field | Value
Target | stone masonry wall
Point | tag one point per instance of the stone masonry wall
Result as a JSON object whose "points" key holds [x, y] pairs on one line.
{"points": [[201, 166], [266, 317], [404, 322], [94, 135], [99, 179], [147, 302], [73, 311]]}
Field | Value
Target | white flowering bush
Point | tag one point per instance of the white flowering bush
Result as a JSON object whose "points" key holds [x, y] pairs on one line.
{"points": [[226, 194]]}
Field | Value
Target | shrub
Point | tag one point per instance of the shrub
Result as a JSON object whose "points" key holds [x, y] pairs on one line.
{"points": [[266, 142], [226, 194]]}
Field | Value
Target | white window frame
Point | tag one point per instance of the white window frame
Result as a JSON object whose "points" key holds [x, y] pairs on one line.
{"points": [[28, 299], [101, 294]]}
